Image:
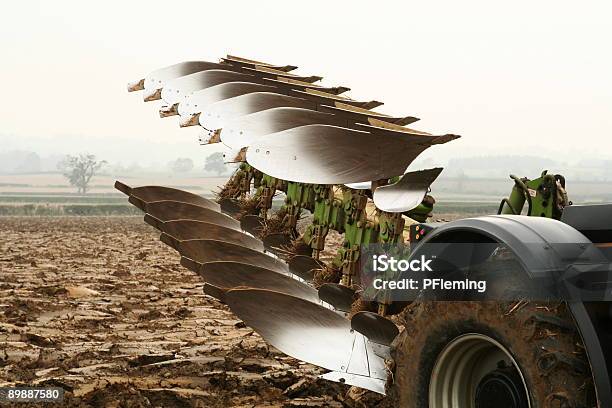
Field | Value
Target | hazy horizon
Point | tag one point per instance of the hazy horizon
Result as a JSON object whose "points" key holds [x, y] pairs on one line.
{"points": [[523, 78]]}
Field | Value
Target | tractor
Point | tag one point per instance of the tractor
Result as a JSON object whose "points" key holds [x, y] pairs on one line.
{"points": [[312, 163]]}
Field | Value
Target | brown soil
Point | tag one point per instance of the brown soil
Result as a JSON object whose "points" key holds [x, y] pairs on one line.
{"points": [[100, 307]]}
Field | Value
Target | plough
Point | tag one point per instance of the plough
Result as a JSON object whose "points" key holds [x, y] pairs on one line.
{"points": [[334, 158]]}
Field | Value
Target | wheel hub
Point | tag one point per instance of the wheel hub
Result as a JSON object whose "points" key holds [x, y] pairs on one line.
{"points": [[501, 388], [476, 371]]}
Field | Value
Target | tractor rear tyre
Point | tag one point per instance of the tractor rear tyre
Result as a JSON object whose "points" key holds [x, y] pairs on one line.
{"points": [[490, 355]]}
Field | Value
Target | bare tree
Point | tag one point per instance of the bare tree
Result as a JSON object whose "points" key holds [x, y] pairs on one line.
{"points": [[181, 165], [216, 163], [80, 169]]}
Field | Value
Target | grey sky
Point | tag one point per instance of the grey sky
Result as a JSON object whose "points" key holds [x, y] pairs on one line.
{"points": [[530, 77]]}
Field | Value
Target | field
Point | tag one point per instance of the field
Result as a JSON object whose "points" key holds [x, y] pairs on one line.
{"points": [[91, 301], [50, 195], [100, 307]]}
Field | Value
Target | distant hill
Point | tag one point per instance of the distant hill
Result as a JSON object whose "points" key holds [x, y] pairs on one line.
{"points": [[23, 161], [498, 166]]}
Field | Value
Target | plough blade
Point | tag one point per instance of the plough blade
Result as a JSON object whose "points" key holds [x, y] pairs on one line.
{"points": [[216, 115], [244, 131], [149, 194], [155, 81], [230, 238], [174, 210], [309, 154], [253, 224], [154, 222], [201, 100], [306, 331], [407, 193], [170, 241], [230, 275], [209, 250], [184, 230], [176, 90], [213, 291], [222, 112], [375, 327], [304, 266], [158, 78], [339, 296]]}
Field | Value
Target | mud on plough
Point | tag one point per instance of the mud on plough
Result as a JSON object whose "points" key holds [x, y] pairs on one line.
{"points": [[344, 164]]}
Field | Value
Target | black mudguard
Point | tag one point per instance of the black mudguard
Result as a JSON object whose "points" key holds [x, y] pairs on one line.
{"points": [[547, 247]]}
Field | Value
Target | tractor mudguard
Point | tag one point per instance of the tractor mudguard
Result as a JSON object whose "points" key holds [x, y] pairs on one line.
{"points": [[546, 246]]}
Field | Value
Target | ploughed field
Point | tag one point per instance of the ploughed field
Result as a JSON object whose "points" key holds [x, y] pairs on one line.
{"points": [[99, 307]]}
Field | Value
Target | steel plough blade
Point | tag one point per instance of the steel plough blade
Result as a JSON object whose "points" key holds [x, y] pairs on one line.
{"points": [[307, 331], [407, 193], [252, 223], [209, 250], [242, 132], [213, 291], [309, 154], [229, 275], [339, 296], [304, 266], [174, 210], [184, 230], [220, 113], [155, 81], [149, 194], [201, 100], [375, 327], [176, 90]]}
